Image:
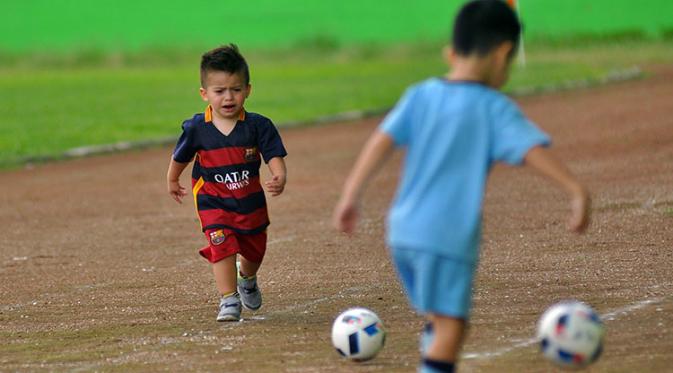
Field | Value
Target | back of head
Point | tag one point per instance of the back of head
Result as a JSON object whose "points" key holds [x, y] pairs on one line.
{"points": [[482, 25], [226, 58]]}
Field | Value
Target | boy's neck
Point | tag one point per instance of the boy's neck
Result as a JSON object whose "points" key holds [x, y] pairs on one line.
{"points": [[219, 119], [225, 124], [224, 121], [471, 68]]}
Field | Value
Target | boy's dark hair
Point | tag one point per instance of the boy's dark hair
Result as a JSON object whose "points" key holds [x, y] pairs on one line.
{"points": [[482, 25], [226, 58]]}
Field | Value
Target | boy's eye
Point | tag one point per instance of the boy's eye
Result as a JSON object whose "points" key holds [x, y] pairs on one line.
{"points": [[220, 91]]}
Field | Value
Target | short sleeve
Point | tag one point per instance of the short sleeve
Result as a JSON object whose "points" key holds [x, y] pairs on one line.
{"points": [[269, 141], [185, 149], [513, 134], [397, 123]]}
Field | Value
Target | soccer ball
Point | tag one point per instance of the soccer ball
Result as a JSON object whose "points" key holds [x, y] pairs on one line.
{"points": [[571, 334], [358, 334]]}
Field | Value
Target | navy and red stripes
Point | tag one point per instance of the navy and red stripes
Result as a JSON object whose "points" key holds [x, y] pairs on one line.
{"points": [[220, 190], [234, 155], [230, 195], [225, 178], [243, 223]]}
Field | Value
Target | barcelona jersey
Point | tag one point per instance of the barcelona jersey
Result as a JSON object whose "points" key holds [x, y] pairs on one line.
{"points": [[225, 177]]}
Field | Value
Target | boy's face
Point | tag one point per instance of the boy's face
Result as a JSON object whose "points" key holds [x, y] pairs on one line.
{"points": [[226, 93]]}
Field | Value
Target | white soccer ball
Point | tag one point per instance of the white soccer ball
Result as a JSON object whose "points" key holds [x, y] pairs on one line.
{"points": [[571, 334], [358, 334]]}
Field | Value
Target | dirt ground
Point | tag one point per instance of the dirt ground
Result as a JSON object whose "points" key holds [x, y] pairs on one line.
{"points": [[100, 270]]}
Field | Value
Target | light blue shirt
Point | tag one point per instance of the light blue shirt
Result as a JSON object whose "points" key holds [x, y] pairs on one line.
{"points": [[453, 132]]}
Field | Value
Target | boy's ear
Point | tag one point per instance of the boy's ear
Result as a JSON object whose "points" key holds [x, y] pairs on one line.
{"points": [[448, 54], [202, 92], [248, 91], [504, 51]]}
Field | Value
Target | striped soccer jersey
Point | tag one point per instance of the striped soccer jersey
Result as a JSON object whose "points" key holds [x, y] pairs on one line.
{"points": [[225, 177]]}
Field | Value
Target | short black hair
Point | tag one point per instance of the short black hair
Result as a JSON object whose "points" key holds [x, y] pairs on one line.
{"points": [[482, 25], [226, 58]]}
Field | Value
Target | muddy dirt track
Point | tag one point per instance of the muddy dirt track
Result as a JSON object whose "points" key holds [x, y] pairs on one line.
{"points": [[99, 267]]}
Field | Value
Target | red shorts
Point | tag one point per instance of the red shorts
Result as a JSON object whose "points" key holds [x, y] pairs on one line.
{"points": [[224, 242]]}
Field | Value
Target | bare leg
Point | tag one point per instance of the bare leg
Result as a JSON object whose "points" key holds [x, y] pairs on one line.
{"points": [[448, 338], [249, 268], [225, 275]]}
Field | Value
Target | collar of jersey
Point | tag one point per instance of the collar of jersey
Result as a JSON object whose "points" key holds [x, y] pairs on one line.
{"points": [[208, 113]]}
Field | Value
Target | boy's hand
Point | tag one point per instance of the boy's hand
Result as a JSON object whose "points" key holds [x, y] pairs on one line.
{"points": [[377, 149], [345, 216], [173, 178], [176, 190], [276, 185], [580, 202], [580, 207]]}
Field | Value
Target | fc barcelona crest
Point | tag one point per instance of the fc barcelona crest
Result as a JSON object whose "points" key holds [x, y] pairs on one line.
{"points": [[251, 154], [217, 237]]}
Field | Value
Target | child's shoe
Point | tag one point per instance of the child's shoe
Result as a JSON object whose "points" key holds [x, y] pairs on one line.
{"points": [[230, 308], [251, 297]]}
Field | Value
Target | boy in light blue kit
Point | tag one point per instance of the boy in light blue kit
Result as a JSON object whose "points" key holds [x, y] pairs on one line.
{"points": [[453, 129]]}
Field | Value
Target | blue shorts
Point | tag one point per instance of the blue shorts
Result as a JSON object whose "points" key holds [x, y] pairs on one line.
{"points": [[435, 284]]}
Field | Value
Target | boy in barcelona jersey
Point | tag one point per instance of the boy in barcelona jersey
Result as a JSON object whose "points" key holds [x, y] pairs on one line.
{"points": [[227, 145]]}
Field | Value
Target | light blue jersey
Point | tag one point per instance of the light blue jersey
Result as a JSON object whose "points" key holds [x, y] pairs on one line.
{"points": [[453, 132]]}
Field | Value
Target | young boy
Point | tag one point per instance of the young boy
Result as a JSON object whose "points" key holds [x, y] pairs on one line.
{"points": [[226, 142], [453, 129]]}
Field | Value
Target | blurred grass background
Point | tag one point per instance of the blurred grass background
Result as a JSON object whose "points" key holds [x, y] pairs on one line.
{"points": [[76, 73], [132, 25]]}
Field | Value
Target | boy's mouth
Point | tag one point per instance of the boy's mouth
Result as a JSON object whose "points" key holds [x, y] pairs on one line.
{"points": [[229, 107]]}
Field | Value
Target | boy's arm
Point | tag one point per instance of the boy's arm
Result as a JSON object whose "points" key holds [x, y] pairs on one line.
{"points": [[580, 202], [377, 149], [173, 177], [276, 185]]}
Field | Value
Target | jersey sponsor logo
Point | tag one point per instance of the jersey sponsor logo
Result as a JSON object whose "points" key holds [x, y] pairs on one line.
{"points": [[217, 237], [234, 180]]}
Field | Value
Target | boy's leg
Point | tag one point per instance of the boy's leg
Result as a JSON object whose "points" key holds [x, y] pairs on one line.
{"points": [[445, 340], [248, 268], [225, 280], [448, 334], [247, 287], [253, 248], [437, 286], [225, 275]]}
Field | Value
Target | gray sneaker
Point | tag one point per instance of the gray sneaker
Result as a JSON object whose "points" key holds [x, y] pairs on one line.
{"points": [[251, 297], [230, 308]]}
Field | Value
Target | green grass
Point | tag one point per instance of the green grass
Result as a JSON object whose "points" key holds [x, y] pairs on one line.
{"points": [[76, 73], [50, 106], [126, 25], [48, 110], [133, 25]]}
